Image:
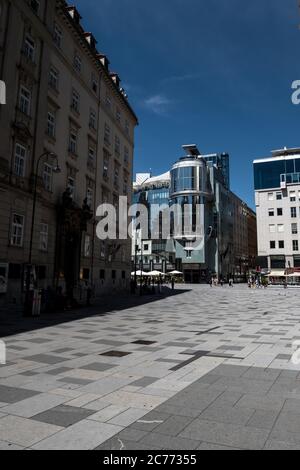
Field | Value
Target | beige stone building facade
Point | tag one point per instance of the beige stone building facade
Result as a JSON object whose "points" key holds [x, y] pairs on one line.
{"points": [[64, 103]]}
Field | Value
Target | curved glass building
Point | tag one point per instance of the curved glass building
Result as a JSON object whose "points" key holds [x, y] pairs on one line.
{"points": [[209, 227]]}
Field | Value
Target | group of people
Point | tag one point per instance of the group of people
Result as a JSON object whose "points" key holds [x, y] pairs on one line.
{"points": [[256, 283], [148, 285], [215, 282]]}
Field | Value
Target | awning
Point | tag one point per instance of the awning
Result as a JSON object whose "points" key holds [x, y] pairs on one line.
{"points": [[277, 274], [294, 275]]}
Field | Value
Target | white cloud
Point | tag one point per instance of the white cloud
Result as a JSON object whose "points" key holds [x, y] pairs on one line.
{"points": [[158, 104]]}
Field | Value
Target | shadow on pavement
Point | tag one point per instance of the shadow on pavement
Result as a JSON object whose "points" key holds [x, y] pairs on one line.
{"points": [[12, 323]]}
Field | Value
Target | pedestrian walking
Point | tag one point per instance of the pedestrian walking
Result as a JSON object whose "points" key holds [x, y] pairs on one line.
{"points": [[173, 283]]}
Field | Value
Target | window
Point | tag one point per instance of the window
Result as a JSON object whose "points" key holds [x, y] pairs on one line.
{"points": [[281, 244], [146, 247], [102, 252], [127, 127], [118, 115], [294, 229], [20, 160], [270, 196], [295, 245], [75, 103], [105, 165], [89, 197], [116, 176], [47, 177], [126, 155], [113, 274], [91, 156], [279, 212], [35, 5], [87, 246], [107, 134], [272, 245], [94, 83], [77, 63], [271, 212], [189, 254], [44, 229], [272, 228], [117, 146], [102, 274], [51, 124], [93, 120], [71, 186], [125, 185], [293, 196], [108, 101], [25, 100], [280, 228], [279, 196], [57, 36], [29, 48], [17, 231], [293, 212], [73, 142], [53, 78]]}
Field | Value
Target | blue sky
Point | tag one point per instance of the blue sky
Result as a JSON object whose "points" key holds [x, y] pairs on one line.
{"points": [[217, 73]]}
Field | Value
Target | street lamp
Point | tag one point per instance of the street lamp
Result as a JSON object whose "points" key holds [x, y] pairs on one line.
{"points": [[56, 169]]}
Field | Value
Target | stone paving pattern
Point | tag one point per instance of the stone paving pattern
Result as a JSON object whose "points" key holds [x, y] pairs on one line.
{"points": [[204, 369]]}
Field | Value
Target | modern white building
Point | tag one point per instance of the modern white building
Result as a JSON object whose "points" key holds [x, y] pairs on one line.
{"points": [[277, 196]]}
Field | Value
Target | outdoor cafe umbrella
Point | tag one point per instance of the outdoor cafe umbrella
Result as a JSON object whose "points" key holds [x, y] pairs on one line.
{"points": [[155, 273], [175, 273]]}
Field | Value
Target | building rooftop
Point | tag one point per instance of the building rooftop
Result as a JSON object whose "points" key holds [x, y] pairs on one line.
{"points": [[283, 154]]}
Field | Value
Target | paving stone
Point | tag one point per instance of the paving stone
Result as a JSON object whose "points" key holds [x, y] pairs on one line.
{"points": [[97, 366], [74, 380], [227, 414], [151, 421], [128, 417], [144, 382], [46, 359], [213, 447], [173, 425], [130, 434], [13, 395], [24, 432], [288, 421], [226, 434], [63, 416], [279, 445], [60, 370], [263, 419], [8, 446], [34, 405], [85, 435], [168, 442], [264, 403]]}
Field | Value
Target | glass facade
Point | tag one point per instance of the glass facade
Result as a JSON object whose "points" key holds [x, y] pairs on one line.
{"points": [[271, 174], [156, 200], [185, 179], [221, 161]]}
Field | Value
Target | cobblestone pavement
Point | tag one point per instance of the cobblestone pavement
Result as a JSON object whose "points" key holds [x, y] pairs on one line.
{"points": [[209, 368]]}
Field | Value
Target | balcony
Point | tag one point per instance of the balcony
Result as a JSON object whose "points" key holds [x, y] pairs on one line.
{"points": [[289, 178]]}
